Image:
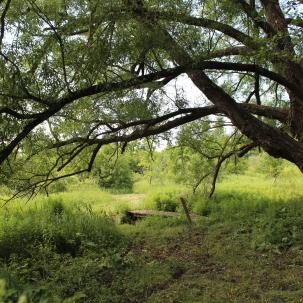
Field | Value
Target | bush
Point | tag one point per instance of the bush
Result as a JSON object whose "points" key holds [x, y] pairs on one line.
{"points": [[166, 201], [4, 191], [125, 218], [113, 173], [59, 227], [57, 206], [281, 227]]}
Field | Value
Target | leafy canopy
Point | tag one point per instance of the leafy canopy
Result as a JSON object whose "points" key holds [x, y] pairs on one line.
{"points": [[78, 75]]}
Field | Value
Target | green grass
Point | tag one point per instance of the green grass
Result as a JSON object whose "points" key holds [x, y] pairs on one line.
{"points": [[247, 246], [99, 200]]}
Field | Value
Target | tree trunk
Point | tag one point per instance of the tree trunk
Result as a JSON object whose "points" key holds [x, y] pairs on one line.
{"points": [[272, 140], [291, 70]]}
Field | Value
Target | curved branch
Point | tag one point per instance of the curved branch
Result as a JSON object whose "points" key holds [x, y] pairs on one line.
{"points": [[149, 127], [2, 20], [136, 83], [229, 51], [249, 68], [15, 114], [239, 152], [89, 91], [254, 16], [148, 14]]}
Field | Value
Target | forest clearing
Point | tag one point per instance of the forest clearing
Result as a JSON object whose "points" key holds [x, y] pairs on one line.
{"points": [[247, 246], [151, 151]]}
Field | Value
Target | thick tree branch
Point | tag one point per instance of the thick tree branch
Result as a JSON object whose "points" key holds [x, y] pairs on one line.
{"points": [[272, 140], [200, 22], [135, 83], [92, 90], [146, 128], [2, 20], [254, 16], [15, 114]]}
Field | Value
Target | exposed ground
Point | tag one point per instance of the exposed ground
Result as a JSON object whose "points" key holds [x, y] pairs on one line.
{"points": [[215, 263]]}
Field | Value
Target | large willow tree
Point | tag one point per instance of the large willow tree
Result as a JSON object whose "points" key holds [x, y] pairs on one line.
{"points": [[79, 74]]}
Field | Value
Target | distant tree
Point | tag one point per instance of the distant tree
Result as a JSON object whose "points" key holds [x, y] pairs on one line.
{"points": [[203, 147], [113, 170], [78, 75], [271, 167]]}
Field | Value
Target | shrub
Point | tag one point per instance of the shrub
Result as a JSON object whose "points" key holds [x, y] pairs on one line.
{"points": [[280, 227], [126, 218], [166, 201], [59, 227], [57, 206], [4, 191]]}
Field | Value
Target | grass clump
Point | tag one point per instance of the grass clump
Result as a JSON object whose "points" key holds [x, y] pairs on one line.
{"points": [[272, 219], [50, 252], [280, 227], [166, 199], [67, 229]]}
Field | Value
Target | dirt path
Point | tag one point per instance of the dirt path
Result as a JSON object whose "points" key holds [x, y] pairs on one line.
{"points": [[134, 198]]}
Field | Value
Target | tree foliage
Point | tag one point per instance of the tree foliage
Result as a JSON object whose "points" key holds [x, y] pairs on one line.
{"points": [[114, 171], [78, 75]]}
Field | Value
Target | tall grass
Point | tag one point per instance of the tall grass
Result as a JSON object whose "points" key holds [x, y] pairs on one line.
{"points": [[52, 222], [58, 243], [66, 245]]}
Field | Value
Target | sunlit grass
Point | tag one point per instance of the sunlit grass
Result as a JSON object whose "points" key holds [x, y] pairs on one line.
{"points": [[252, 220], [283, 187]]}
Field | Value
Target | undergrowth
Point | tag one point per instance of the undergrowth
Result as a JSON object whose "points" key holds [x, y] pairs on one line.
{"points": [[246, 247]]}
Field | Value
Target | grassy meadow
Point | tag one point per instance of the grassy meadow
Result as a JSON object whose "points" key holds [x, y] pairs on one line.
{"points": [[246, 246]]}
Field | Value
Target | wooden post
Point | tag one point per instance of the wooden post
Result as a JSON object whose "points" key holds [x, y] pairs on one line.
{"points": [[185, 208]]}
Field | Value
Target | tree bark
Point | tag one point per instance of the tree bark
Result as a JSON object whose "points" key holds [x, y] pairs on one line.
{"points": [[289, 69], [272, 140]]}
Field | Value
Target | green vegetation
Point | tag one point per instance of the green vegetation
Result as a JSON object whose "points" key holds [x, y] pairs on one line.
{"points": [[143, 149], [247, 246]]}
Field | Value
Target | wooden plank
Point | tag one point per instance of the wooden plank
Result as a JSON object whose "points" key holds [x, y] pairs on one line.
{"points": [[147, 213], [150, 213]]}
